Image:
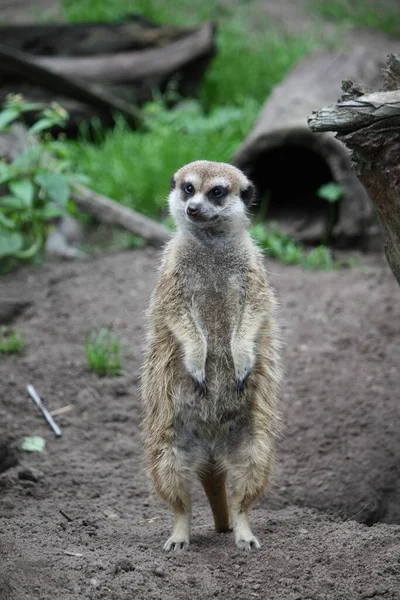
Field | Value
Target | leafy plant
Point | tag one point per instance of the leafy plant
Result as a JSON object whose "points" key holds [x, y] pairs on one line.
{"points": [[11, 342], [36, 185], [102, 350], [331, 192], [281, 246]]}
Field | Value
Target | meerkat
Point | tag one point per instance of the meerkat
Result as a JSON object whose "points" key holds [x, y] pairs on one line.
{"points": [[211, 373]]}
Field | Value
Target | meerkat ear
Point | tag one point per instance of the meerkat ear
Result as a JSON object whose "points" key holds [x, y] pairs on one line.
{"points": [[172, 184], [247, 195]]}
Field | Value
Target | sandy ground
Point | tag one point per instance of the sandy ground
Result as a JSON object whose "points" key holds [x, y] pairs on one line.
{"points": [[338, 458], [329, 526]]}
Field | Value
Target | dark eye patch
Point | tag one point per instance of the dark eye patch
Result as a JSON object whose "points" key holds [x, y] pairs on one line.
{"points": [[217, 193], [187, 188]]}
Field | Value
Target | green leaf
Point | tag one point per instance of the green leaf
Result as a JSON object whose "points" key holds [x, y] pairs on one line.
{"points": [[50, 211], [41, 125], [23, 189], [6, 222], [32, 106], [11, 202], [55, 186], [33, 444], [31, 155], [331, 192], [7, 116], [6, 172], [10, 243]]}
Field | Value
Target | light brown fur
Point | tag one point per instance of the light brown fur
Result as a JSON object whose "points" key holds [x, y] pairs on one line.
{"points": [[211, 373]]}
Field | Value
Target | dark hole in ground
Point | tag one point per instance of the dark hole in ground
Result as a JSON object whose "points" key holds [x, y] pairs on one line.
{"points": [[287, 179], [8, 456]]}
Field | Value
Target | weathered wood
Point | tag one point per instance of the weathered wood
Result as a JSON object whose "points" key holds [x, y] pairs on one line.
{"points": [[356, 113], [281, 140], [17, 62], [98, 63], [79, 39], [109, 211], [369, 125], [133, 66]]}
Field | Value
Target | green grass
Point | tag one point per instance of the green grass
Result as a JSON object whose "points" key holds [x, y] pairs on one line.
{"points": [[252, 55], [376, 14], [11, 342], [135, 167], [103, 352], [282, 247]]}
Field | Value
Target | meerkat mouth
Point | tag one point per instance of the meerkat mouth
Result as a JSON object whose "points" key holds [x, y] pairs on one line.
{"points": [[202, 219]]}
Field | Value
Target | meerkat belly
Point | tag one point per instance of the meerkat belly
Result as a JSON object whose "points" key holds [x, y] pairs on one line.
{"points": [[208, 426]]}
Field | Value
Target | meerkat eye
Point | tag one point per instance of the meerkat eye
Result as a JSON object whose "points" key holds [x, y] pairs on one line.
{"points": [[188, 189], [217, 192]]}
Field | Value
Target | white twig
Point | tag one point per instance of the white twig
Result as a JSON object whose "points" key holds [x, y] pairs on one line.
{"points": [[46, 414]]}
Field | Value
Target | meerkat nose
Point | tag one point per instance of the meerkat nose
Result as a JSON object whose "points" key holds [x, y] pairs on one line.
{"points": [[192, 208]]}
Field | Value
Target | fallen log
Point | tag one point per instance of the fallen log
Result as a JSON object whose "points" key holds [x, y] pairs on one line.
{"points": [[19, 63], [369, 125], [103, 68], [289, 163], [109, 211], [89, 39], [153, 64]]}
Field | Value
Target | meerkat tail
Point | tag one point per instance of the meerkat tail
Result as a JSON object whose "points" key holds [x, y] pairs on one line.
{"points": [[214, 484]]}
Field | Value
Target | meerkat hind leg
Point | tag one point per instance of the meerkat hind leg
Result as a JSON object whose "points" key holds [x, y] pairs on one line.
{"points": [[179, 539], [214, 484], [250, 477], [173, 485]]}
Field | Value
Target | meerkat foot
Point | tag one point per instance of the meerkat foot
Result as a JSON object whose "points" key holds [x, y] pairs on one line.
{"points": [[248, 544], [244, 538], [179, 539], [176, 542]]}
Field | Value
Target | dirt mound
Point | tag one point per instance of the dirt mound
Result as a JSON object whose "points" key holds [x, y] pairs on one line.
{"points": [[339, 453]]}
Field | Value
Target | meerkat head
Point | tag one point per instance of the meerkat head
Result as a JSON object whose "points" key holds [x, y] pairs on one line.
{"points": [[210, 196]]}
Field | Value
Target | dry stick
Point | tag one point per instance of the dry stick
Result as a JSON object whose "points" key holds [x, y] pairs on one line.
{"points": [[109, 211], [46, 414], [61, 410], [66, 517], [15, 61]]}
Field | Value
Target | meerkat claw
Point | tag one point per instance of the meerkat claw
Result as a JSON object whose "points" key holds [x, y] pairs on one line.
{"points": [[241, 384], [176, 544], [200, 387]]}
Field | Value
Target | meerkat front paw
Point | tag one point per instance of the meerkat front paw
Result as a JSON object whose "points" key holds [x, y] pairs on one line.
{"points": [[243, 359], [200, 386], [241, 382], [176, 542]]}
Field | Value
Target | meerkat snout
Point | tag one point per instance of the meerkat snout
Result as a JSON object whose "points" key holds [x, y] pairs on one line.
{"points": [[193, 209]]}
